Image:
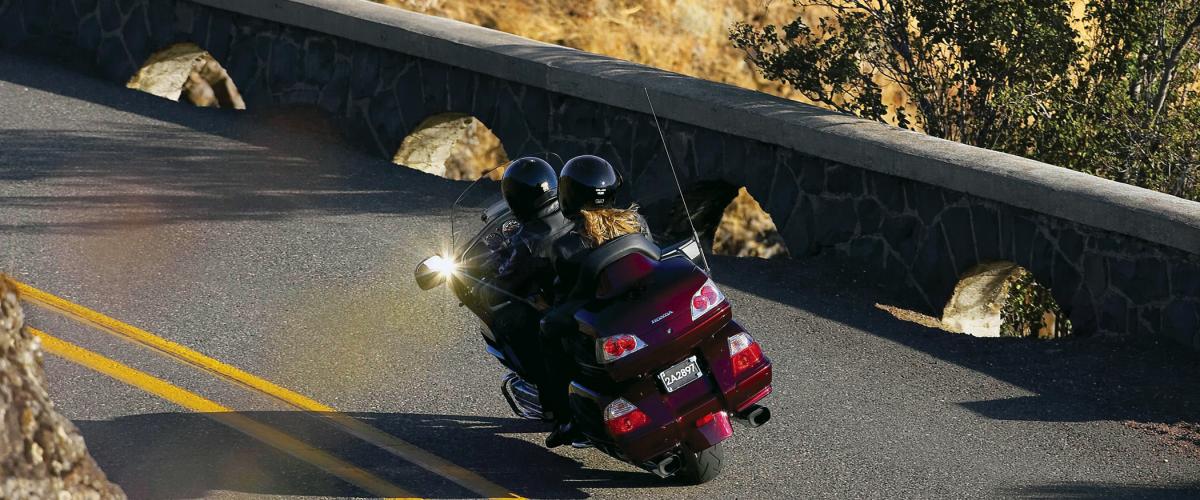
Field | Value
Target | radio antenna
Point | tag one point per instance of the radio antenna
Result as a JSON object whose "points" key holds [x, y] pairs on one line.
{"points": [[675, 175], [560, 160]]}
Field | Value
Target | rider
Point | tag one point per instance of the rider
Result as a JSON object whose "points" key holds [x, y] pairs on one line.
{"points": [[530, 188], [588, 189], [522, 254]]}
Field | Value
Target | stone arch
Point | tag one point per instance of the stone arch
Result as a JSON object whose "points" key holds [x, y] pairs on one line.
{"points": [[996, 299], [452, 145], [1003, 299], [186, 71], [746, 230], [943, 236], [706, 200]]}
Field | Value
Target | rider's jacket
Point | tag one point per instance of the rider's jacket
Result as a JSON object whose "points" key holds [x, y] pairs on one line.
{"points": [[526, 265]]}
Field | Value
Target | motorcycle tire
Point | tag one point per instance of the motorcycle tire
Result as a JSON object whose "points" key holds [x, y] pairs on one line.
{"points": [[700, 468]]}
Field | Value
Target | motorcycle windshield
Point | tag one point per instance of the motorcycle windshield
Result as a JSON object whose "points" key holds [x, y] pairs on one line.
{"points": [[481, 227], [467, 214]]}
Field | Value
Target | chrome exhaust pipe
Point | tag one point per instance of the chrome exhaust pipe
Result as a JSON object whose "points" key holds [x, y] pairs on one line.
{"points": [[668, 467], [754, 416]]}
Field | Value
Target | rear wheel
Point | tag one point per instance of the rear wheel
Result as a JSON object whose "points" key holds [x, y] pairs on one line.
{"points": [[702, 467]]}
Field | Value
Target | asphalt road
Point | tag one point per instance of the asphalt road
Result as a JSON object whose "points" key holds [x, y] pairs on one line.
{"points": [[259, 238]]}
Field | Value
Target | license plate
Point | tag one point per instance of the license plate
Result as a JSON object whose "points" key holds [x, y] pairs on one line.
{"points": [[684, 373]]}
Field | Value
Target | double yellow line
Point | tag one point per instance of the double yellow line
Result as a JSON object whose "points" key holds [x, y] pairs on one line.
{"points": [[383, 440], [221, 414]]}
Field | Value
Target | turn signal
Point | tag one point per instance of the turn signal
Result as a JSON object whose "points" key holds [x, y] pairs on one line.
{"points": [[744, 352], [622, 417]]}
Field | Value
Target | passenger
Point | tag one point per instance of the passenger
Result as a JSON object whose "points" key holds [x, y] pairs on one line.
{"points": [[588, 188]]}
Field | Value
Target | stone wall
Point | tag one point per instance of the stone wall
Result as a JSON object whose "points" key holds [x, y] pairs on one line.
{"points": [[915, 210]]}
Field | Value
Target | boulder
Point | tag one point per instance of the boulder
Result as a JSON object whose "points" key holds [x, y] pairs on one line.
{"points": [[42, 454], [1001, 299], [184, 70]]}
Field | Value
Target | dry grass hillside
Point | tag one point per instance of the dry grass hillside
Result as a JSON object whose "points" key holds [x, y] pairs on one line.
{"points": [[685, 36]]}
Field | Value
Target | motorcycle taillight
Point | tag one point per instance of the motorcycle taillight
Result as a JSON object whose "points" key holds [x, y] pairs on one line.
{"points": [[706, 298], [609, 349], [622, 417], [744, 352]]}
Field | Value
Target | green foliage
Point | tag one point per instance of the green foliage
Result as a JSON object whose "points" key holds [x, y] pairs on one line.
{"points": [[1132, 115], [1118, 100], [1030, 311]]}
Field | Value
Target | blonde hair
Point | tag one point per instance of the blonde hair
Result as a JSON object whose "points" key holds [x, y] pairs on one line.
{"points": [[604, 224]]}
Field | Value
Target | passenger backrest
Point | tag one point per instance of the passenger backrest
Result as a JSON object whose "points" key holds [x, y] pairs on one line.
{"points": [[617, 265]]}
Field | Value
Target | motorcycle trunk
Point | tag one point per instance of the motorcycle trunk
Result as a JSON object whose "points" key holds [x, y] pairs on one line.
{"points": [[652, 300]]}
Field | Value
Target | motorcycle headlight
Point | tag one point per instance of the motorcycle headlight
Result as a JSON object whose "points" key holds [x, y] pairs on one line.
{"points": [[434, 271], [442, 265]]}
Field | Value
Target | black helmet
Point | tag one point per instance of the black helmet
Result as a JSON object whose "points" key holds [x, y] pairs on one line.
{"points": [[587, 182], [529, 184]]}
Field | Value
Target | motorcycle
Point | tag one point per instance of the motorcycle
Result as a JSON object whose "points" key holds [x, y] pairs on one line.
{"points": [[663, 368]]}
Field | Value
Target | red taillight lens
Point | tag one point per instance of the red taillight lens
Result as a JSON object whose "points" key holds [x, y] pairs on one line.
{"points": [[617, 346], [744, 352], [627, 423], [707, 419], [747, 359], [622, 417], [613, 348], [706, 298]]}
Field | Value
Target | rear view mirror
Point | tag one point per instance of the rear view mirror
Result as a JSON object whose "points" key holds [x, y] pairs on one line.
{"points": [[433, 271]]}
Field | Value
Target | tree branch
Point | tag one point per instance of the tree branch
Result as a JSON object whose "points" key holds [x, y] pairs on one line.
{"points": [[1160, 97]]}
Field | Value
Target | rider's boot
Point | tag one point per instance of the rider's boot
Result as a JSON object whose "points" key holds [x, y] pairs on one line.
{"points": [[558, 436]]}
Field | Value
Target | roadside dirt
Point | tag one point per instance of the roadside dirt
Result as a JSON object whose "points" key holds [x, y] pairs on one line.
{"points": [[1181, 436]]}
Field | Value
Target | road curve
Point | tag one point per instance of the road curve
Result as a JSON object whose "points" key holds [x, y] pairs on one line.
{"points": [[262, 240]]}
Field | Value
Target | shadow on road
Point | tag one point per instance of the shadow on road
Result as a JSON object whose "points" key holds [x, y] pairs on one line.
{"points": [[1077, 379], [131, 175], [193, 164], [185, 455]]}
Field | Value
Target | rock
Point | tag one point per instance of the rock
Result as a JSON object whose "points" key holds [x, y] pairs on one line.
{"points": [[186, 70], [975, 307], [452, 145], [42, 454], [209, 86]]}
